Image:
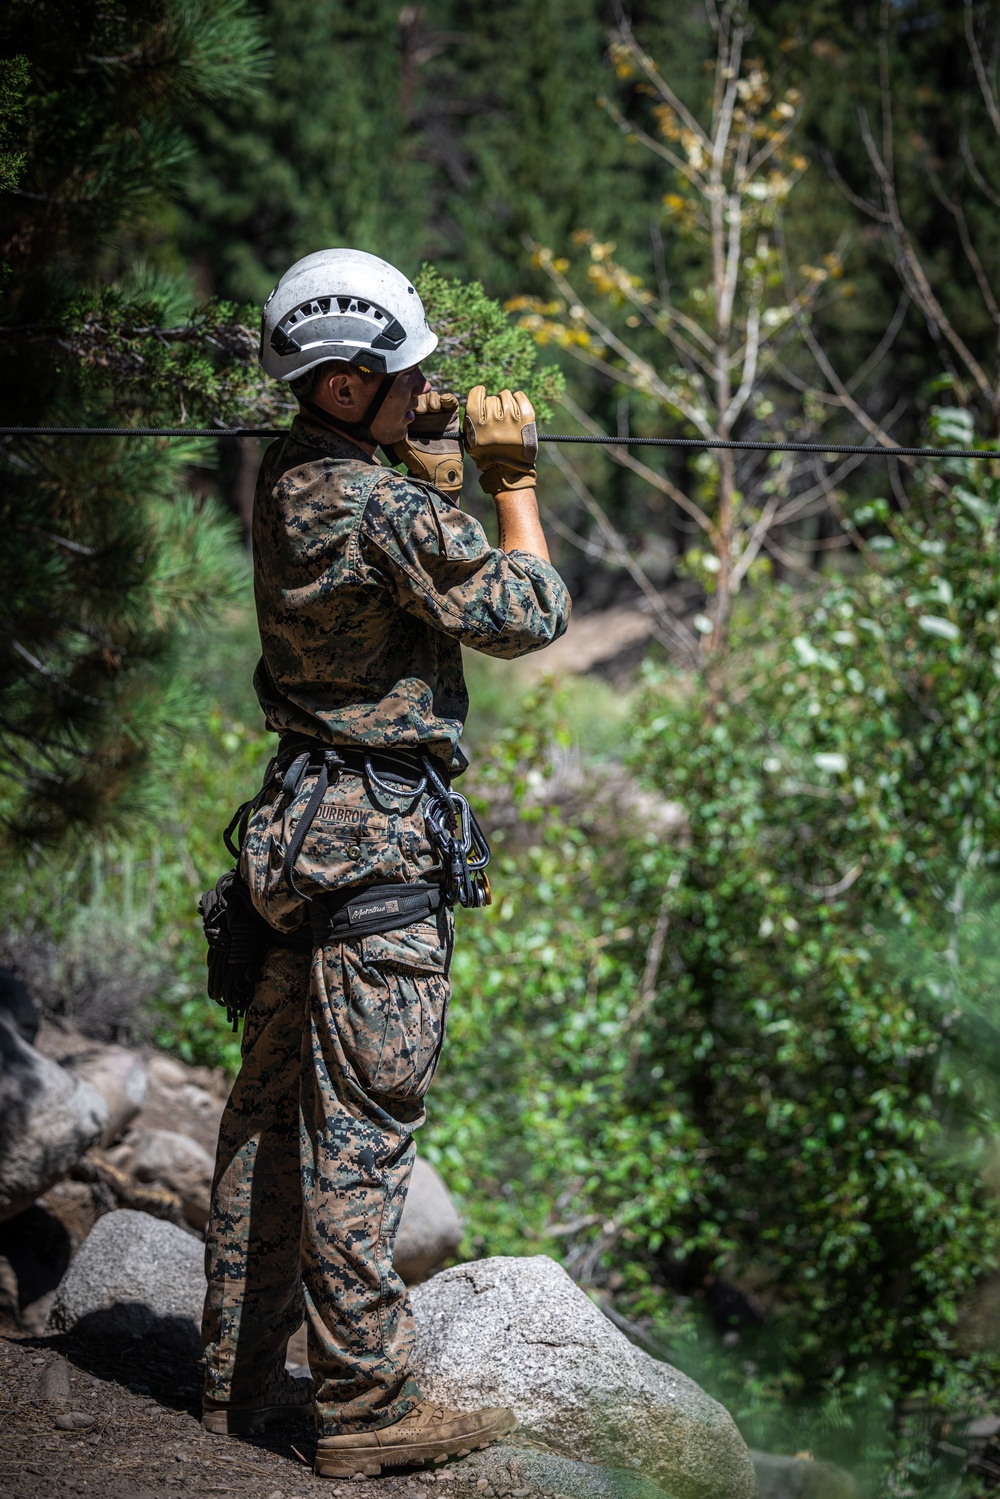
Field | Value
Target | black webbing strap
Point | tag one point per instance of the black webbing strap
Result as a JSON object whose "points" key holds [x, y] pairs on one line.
{"points": [[366, 913], [330, 760]]}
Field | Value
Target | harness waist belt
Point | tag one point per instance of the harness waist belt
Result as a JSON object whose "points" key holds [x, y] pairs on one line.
{"points": [[403, 763], [368, 912]]}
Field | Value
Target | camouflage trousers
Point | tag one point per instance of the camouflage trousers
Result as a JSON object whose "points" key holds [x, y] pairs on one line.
{"points": [[316, 1149]]}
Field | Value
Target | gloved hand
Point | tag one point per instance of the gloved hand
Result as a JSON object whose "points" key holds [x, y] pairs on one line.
{"points": [[432, 448], [501, 438]]}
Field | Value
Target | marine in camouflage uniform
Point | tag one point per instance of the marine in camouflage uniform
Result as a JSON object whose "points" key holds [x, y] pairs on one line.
{"points": [[367, 586]]}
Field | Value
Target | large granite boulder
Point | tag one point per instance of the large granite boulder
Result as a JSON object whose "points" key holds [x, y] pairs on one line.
{"points": [[519, 1333], [48, 1119], [801, 1478], [133, 1276], [166, 1158], [119, 1076], [510, 1467], [430, 1229]]}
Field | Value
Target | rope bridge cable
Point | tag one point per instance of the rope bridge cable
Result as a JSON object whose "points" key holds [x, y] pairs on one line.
{"points": [[867, 451]]}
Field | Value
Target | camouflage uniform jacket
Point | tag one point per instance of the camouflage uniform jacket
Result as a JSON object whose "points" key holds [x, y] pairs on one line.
{"points": [[367, 585]]}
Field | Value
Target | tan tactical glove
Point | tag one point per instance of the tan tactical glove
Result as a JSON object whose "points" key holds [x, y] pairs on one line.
{"points": [[432, 447], [501, 437]]}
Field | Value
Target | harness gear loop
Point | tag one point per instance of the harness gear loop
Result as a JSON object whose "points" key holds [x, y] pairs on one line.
{"points": [[395, 793], [239, 938]]}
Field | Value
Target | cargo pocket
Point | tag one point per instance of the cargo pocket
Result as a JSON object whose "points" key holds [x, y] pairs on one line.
{"points": [[395, 1007]]}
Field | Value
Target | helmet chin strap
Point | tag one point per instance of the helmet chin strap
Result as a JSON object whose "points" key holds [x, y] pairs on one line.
{"points": [[361, 430]]}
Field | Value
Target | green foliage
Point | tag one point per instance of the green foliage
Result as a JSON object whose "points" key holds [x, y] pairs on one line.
{"points": [[441, 132], [13, 86], [133, 897], [479, 345], [104, 105], [528, 154], [107, 559], [323, 157], [141, 347], [767, 1050], [93, 693]]}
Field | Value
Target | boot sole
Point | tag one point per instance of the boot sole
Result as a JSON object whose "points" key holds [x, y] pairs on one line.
{"points": [[368, 1462], [228, 1423]]}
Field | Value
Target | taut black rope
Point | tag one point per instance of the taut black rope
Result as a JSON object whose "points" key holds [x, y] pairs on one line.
{"points": [[867, 451]]}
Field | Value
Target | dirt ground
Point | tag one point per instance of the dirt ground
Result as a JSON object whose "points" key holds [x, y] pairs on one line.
{"points": [[141, 1437]]}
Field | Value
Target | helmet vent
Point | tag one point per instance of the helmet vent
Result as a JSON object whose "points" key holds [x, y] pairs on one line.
{"points": [[391, 337]]}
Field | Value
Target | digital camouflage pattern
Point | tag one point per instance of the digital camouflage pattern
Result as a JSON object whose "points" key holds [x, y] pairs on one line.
{"points": [[367, 585], [315, 1153], [357, 837]]}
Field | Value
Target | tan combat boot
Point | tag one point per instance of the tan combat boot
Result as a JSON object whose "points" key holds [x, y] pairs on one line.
{"points": [[426, 1434], [285, 1396]]}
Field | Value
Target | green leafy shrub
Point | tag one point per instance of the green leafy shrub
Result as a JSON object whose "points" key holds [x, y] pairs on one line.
{"points": [[480, 344], [768, 1050]]}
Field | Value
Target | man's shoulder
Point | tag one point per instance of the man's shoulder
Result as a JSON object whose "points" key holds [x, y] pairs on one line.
{"points": [[395, 491], [407, 515], [292, 467]]}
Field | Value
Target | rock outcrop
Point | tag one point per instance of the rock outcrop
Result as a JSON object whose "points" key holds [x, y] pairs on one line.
{"points": [[189, 1100], [166, 1158], [801, 1478], [518, 1332], [17, 1006], [48, 1119], [133, 1276], [119, 1076], [510, 1468]]}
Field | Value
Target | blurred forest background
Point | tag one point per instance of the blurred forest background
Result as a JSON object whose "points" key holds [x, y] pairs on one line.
{"points": [[727, 1042]]}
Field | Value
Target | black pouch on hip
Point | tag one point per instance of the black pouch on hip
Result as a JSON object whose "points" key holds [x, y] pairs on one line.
{"points": [[238, 940]]}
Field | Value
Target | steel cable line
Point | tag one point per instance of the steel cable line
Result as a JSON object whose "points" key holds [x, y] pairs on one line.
{"points": [[868, 450]]}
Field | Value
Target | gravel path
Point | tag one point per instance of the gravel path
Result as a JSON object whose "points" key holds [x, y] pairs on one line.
{"points": [[121, 1421], [136, 1434]]}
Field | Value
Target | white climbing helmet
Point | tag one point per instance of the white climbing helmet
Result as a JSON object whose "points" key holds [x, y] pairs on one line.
{"points": [[343, 304]]}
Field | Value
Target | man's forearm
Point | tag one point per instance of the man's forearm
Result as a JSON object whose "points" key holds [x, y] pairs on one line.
{"points": [[520, 527]]}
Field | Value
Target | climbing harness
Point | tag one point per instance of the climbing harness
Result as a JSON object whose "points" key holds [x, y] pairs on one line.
{"points": [[239, 938]]}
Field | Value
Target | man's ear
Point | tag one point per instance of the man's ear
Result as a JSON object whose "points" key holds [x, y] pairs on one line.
{"points": [[338, 389]]}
